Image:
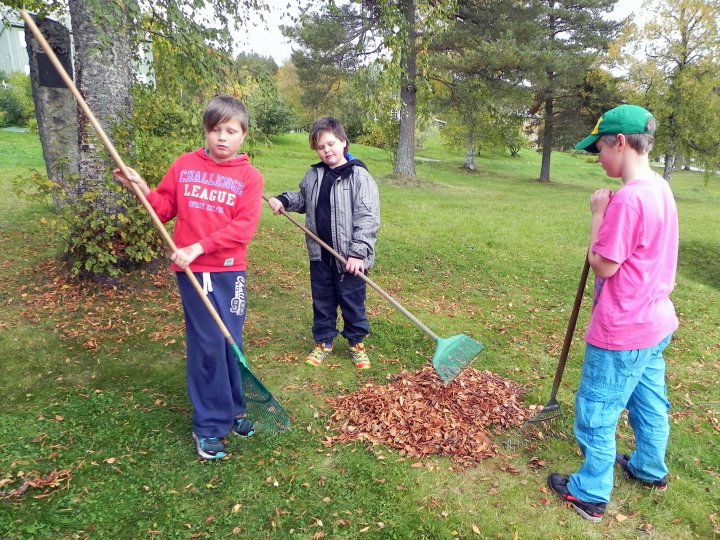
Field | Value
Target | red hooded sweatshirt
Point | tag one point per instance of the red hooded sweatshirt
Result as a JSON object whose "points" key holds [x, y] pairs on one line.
{"points": [[216, 204]]}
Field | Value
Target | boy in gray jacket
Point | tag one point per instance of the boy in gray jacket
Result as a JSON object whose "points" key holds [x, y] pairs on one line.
{"points": [[342, 207]]}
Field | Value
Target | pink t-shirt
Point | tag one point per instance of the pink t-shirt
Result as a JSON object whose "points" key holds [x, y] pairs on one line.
{"points": [[632, 308]]}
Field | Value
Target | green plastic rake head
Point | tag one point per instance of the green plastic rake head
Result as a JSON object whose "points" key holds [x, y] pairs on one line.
{"points": [[266, 412], [453, 354]]}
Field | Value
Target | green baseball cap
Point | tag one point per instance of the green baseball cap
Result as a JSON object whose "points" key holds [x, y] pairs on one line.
{"points": [[625, 119]]}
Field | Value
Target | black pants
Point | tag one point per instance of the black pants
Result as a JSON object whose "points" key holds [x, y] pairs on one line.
{"points": [[331, 290]]}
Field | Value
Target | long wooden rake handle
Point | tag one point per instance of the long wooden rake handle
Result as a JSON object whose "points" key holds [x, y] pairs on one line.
{"points": [[366, 279], [572, 323], [121, 164]]}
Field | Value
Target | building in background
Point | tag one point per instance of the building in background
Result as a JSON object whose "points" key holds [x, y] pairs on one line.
{"points": [[13, 54]]}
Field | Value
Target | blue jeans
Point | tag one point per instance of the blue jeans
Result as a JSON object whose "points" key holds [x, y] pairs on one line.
{"points": [[330, 290], [612, 381]]}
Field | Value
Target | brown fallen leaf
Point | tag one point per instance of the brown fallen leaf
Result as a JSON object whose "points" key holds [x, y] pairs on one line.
{"points": [[54, 480]]}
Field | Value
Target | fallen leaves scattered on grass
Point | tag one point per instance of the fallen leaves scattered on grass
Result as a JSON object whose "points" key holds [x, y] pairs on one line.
{"points": [[287, 358], [91, 313], [419, 415], [31, 480]]}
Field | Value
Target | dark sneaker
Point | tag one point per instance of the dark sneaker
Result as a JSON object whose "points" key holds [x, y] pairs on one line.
{"points": [[210, 448], [623, 459], [359, 356], [242, 427], [591, 511], [318, 354]]}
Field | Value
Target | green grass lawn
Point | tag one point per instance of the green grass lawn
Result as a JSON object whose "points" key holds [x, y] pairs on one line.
{"points": [[93, 383]]}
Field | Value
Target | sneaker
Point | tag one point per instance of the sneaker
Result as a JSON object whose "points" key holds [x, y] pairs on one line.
{"points": [[359, 356], [318, 354], [623, 459], [591, 511], [210, 448], [242, 427]]}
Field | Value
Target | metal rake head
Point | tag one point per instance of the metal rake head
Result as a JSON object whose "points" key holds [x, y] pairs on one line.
{"points": [[548, 412]]}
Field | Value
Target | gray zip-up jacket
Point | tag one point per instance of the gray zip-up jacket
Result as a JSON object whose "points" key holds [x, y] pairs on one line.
{"points": [[354, 211]]}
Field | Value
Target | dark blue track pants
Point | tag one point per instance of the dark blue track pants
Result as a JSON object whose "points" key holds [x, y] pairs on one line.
{"points": [[213, 378], [331, 290]]}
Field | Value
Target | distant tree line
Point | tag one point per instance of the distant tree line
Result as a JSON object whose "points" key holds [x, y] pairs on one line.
{"points": [[487, 71]]}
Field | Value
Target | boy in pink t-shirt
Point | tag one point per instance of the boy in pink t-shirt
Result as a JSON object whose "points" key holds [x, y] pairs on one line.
{"points": [[633, 253]]}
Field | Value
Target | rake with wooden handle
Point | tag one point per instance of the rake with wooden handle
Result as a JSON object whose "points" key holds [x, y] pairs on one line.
{"points": [[267, 413], [452, 354], [552, 408]]}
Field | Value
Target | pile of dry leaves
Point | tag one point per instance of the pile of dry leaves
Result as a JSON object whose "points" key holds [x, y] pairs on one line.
{"points": [[417, 414]]}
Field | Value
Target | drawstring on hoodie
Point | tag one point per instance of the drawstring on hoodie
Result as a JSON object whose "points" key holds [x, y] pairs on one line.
{"points": [[207, 283]]}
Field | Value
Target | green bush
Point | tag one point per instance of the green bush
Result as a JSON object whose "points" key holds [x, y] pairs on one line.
{"points": [[98, 244], [16, 102], [105, 245], [269, 113], [383, 135]]}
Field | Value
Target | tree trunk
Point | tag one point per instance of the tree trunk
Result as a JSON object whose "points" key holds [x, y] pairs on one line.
{"points": [[669, 165], [671, 153], [103, 57], [405, 157], [55, 108], [547, 140], [470, 158]]}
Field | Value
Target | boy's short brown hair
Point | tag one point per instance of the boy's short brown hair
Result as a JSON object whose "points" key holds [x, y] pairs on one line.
{"points": [[328, 125], [222, 109], [642, 143]]}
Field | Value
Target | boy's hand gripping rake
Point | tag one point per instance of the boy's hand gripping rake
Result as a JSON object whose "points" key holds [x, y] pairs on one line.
{"points": [[552, 409], [267, 413], [452, 354]]}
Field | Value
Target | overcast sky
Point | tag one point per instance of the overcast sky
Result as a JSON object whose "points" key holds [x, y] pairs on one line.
{"points": [[269, 41]]}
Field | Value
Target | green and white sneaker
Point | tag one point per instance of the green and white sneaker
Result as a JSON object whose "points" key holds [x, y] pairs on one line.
{"points": [[318, 354], [360, 356]]}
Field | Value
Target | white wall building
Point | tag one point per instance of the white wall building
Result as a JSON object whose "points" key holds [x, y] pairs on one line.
{"points": [[13, 54]]}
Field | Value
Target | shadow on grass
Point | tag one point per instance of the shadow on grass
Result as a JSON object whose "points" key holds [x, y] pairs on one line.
{"points": [[699, 261]]}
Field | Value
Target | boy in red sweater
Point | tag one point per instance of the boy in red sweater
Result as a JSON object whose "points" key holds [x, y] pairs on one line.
{"points": [[216, 196]]}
